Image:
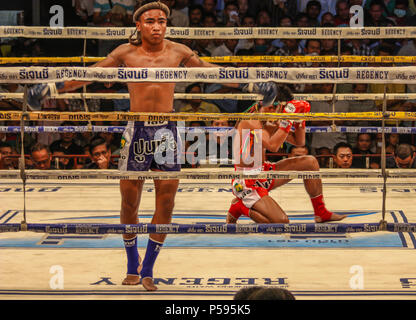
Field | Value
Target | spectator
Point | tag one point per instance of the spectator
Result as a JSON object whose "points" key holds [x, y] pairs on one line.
{"points": [[323, 156], [271, 294], [67, 143], [290, 47], [61, 160], [360, 106], [210, 7], [242, 8], [361, 47], [6, 162], [313, 47], [297, 151], [375, 16], [41, 157], [342, 17], [198, 105], [113, 140], [313, 10], [182, 5], [100, 154], [262, 47], [387, 6], [343, 156], [231, 14], [284, 22], [329, 18], [392, 105], [85, 11], [115, 13], [245, 44], [328, 46], [404, 157], [210, 21], [244, 293], [196, 15], [302, 20], [177, 18], [201, 47], [330, 139], [409, 49], [327, 5], [364, 144], [225, 105], [393, 140], [279, 9], [345, 87], [401, 14], [263, 19], [226, 49]]}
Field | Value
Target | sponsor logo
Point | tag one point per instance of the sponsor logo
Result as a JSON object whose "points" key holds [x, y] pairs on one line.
{"points": [[238, 187], [212, 282], [408, 283]]}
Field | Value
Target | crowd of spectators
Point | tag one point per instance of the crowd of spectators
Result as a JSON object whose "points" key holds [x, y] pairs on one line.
{"points": [[339, 149]]}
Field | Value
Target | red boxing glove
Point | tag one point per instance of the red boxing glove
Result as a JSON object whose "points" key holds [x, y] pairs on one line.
{"points": [[285, 125], [299, 106]]}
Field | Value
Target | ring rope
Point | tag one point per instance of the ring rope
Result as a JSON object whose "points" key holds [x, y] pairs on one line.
{"points": [[221, 228], [406, 74], [87, 95], [195, 174], [231, 59], [233, 96], [155, 116], [307, 77], [226, 130], [113, 33]]}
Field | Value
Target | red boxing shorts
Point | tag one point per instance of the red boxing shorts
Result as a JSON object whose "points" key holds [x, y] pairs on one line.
{"points": [[249, 191]]}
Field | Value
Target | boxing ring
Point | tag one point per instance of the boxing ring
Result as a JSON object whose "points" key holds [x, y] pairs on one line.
{"points": [[64, 223]]}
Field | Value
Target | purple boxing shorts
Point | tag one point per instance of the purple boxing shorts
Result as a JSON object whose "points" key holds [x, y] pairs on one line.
{"points": [[151, 145]]}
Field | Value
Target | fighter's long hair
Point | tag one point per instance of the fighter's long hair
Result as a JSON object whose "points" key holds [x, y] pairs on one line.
{"points": [[145, 5]]}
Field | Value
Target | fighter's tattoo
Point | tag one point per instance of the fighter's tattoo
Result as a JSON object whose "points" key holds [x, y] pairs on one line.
{"points": [[192, 55]]}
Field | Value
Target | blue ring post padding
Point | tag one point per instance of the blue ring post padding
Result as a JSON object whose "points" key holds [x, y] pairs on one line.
{"points": [[220, 228]]}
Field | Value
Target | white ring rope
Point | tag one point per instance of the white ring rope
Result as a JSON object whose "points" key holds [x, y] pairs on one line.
{"points": [[233, 96], [383, 75], [203, 175], [224, 130], [217, 75], [213, 33]]}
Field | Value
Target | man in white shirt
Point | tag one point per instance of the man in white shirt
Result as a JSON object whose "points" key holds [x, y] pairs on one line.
{"points": [[226, 49]]}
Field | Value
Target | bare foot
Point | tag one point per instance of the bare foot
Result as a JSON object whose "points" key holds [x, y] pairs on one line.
{"points": [[334, 217], [148, 284], [133, 279]]}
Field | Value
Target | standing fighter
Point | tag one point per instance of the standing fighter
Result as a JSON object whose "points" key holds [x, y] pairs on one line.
{"points": [[252, 195], [140, 140]]}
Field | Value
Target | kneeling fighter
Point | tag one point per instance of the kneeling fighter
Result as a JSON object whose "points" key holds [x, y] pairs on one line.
{"points": [[252, 195]]}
